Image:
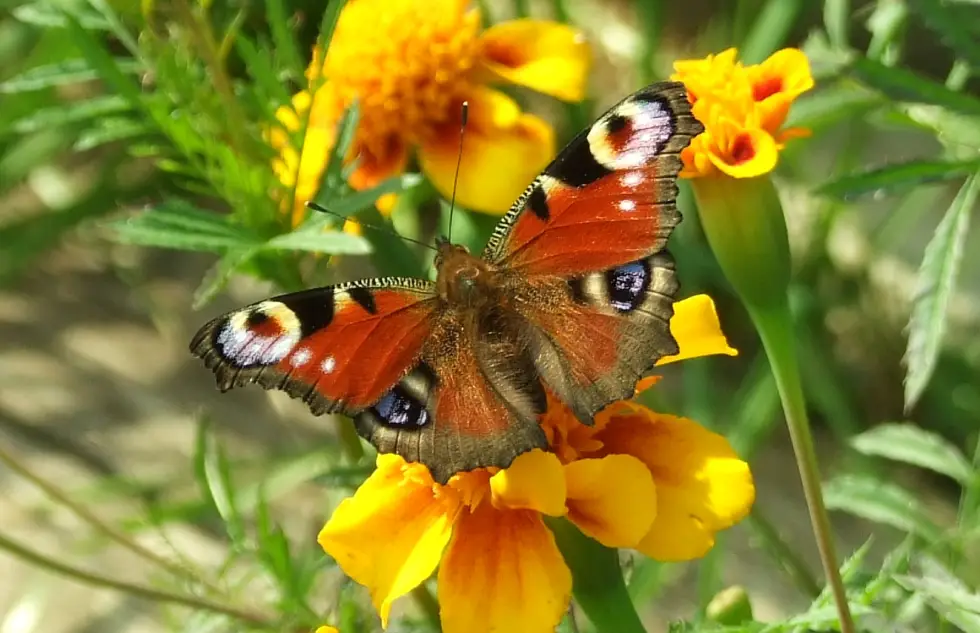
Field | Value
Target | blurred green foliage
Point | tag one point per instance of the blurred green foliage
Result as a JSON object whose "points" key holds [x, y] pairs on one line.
{"points": [[164, 107]]}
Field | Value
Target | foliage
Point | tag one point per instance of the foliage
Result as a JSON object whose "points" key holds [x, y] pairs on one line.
{"points": [[167, 109]]}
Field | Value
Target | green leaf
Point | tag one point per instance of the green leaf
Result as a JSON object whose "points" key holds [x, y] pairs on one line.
{"points": [[832, 104], [322, 241], [214, 478], [904, 85], [218, 275], [110, 130], [346, 127], [881, 502], [64, 73], [49, 14], [897, 178], [950, 27], [836, 20], [770, 30], [282, 35], [180, 225], [948, 597], [101, 60], [360, 200], [910, 444], [65, 113], [937, 277]]}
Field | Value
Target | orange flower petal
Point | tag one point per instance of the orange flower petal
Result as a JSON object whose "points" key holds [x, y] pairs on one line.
{"points": [[612, 499], [546, 56], [502, 572], [696, 329], [503, 151], [747, 154], [702, 486], [391, 534], [534, 481]]}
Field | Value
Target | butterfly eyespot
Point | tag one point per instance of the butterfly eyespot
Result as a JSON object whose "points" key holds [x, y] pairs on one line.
{"points": [[261, 335], [627, 285], [398, 408]]}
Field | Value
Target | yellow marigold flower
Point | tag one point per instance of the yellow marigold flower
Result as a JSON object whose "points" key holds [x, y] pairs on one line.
{"points": [[743, 109], [636, 479], [410, 64], [327, 629]]}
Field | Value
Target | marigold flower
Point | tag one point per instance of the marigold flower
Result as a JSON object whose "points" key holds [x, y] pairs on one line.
{"points": [[410, 64], [743, 109], [327, 629], [636, 479]]}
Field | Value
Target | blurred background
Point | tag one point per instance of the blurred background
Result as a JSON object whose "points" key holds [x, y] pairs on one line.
{"points": [[100, 397]]}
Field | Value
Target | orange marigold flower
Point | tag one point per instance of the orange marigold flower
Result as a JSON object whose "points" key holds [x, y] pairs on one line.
{"points": [[636, 479], [743, 109], [410, 64]]}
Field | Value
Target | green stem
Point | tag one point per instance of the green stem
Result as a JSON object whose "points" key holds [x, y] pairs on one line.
{"points": [[597, 580], [350, 441], [775, 325], [110, 532], [90, 578], [779, 549], [427, 604]]}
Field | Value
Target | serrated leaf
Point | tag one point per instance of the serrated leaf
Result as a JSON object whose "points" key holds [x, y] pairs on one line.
{"points": [[65, 113], [110, 130], [346, 127], [48, 14], [180, 225], [100, 59], [360, 200], [881, 502], [904, 85], [329, 242], [913, 445], [937, 277], [282, 35], [833, 103], [948, 597], [951, 28], [64, 73], [897, 178], [218, 275]]}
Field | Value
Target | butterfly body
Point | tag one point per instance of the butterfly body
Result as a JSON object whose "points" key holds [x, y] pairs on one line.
{"points": [[573, 294]]}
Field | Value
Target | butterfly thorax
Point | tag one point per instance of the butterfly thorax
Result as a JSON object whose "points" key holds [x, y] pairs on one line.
{"points": [[463, 280]]}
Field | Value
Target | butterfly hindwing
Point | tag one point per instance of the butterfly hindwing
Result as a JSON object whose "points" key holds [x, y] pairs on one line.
{"points": [[585, 246]]}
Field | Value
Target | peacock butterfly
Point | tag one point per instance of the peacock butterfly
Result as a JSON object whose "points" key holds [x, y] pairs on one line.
{"points": [[574, 293]]}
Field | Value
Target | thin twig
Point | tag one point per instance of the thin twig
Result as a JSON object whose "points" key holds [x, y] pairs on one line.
{"points": [[155, 595]]}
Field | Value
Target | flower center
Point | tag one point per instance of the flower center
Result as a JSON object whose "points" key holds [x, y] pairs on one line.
{"points": [[742, 149], [767, 88], [406, 62]]}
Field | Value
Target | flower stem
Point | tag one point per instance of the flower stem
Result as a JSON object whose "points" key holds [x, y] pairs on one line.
{"points": [[597, 580], [90, 578], [118, 536], [350, 441], [775, 325]]}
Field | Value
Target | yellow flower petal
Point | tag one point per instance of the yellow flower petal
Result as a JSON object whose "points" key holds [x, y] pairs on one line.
{"points": [[612, 499], [502, 572], [546, 56], [391, 534], [702, 486], [503, 151], [534, 481], [696, 329], [327, 629]]}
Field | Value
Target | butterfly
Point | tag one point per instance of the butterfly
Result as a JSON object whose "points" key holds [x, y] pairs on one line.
{"points": [[573, 293]]}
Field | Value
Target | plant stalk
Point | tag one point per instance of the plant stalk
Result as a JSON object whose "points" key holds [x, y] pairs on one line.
{"points": [[96, 580], [775, 325]]}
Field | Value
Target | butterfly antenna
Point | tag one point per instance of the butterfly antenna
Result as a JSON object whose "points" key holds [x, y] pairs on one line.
{"points": [[384, 229], [464, 117]]}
